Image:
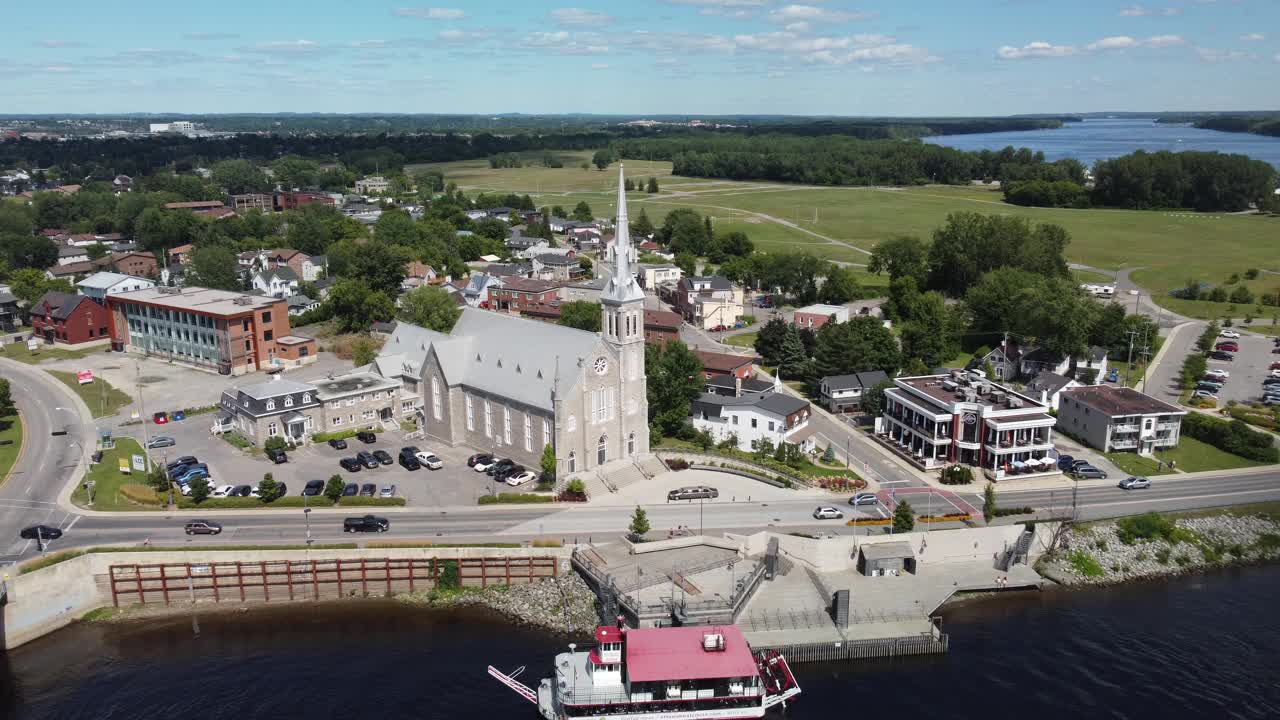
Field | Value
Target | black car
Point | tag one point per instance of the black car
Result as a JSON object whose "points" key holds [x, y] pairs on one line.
{"points": [[40, 532], [350, 490], [367, 459], [313, 488], [203, 527], [506, 472], [484, 458], [383, 457], [338, 444], [366, 436], [180, 462], [368, 523], [368, 489], [409, 461], [500, 466], [350, 464], [241, 491], [1221, 355], [277, 456]]}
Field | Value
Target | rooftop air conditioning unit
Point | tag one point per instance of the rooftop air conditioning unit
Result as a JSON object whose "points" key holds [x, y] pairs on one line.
{"points": [[970, 395], [949, 385], [977, 374], [983, 388], [1015, 402], [997, 396]]}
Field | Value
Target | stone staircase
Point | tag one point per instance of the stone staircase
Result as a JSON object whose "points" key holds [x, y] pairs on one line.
{"points": [[651, 466], [593, 482], [623, 476]]}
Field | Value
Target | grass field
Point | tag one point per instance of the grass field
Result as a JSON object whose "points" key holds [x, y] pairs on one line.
{"points": [[1192, 455], [1135, 464], [19, 352], [745, 340], [107, 480], [102, 399], [10, 433], [1165, 249]]}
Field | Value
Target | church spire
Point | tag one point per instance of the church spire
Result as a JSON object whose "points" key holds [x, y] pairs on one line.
{"points": [[622, 285]]}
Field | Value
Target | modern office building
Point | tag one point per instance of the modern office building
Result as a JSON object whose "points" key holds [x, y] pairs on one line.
{"points": [[228, 332]]}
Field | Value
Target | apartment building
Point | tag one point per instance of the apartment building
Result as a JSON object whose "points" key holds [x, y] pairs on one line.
{"points": [[708, 302], [227, 332], [1113, 419]]}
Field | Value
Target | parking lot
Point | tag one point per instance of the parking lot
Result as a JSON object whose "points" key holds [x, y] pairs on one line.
{"points": [[1251, 365], [454, 484]]}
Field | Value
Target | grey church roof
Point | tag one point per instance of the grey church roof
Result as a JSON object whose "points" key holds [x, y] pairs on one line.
{"points": [[405, 351]]}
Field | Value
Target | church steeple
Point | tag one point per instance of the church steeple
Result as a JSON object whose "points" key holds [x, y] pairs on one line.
{"points": [[622, 286]]}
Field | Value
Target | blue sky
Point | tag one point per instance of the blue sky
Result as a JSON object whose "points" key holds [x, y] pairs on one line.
{"points": [[909, 57]]}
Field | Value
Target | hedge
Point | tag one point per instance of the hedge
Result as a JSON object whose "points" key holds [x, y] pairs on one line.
{"points": [[363, 501], [288, 501], [1234, 436], [514, 499], [342, 434]]}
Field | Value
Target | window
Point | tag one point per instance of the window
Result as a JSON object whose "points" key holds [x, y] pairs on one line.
{"points": [[546, 432], [368, 414], [248, 346], [304, 351], [272, 430], [288, 401], [770, 426], [306, 397], [572, 462], [631, 444], [337, 420], [488, 419], [266, 317], [528, 433], [631, 406], [268, 334], [436, 406], [351, 401], [506, 425], [733, 419], [571, 424], [471, 422], [271, 404], [245, 327], [602, 450]]}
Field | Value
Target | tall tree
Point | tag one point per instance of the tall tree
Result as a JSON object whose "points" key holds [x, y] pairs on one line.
{"points": [[900, 256], [930, 335], [239, 176], [580, 314], [769, 339], [355, 307], [582, 212], [293, 171], [429, 307], [675, 379], [860, 345], [642, 227], [840, 286], [214, 266]]}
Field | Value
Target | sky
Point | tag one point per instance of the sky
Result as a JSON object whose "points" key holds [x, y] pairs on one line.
{"points": [[705, 57]]}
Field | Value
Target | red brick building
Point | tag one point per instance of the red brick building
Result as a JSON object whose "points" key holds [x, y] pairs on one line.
{"points": [[71, 319], [519, 293], [661, 326], [295, 200], [720, 364]]}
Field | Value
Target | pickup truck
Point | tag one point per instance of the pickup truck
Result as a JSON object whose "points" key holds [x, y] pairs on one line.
{"points": [[368, 523]]}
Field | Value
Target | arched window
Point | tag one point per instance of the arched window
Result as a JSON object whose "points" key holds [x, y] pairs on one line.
{"points": [[571, 424], [436, 408], [572, 462], [306, 397], [271, 404], [602, 450], [631, 444]]}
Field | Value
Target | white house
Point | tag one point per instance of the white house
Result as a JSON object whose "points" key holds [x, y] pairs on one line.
{"points": [[841, 393], [1047, 388], [651, 276], [69, 254], [99, 285], [749, 416], [280, 282], [299, 304]]}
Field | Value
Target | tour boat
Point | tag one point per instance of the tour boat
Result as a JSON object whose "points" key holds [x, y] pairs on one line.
{"points": [[673, 673]]}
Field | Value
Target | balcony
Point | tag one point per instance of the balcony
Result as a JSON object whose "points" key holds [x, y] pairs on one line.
{"points": [[1125, 429], [1166, 425], [1124, 444]]}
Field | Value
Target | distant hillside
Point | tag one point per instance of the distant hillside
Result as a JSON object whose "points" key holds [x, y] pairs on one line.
{"points": [[1269, 126]]}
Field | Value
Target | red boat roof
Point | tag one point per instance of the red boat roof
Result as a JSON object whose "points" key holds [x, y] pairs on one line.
{"points": [[658, 654], [607, 633]]}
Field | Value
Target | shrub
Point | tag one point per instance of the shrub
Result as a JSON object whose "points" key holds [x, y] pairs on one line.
{"points": [[274, 443], [333, 488], [678, 464], [1182, 559], [450, 578], [362, 501], [1162, 556], [1085, 564], [956, 475], [141, 494], [1148, 526], [1234, 436], [515, 499]]}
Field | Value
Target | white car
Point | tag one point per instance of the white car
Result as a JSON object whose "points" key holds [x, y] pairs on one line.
{"points": [[482, 466], [1229, 333], [1204, 394], [222, 491], [827, 513], [430, 460], [1218, 373], [521, 478], [1275, 373]]}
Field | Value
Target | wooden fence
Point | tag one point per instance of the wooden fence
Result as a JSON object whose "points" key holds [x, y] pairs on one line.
{"points": [[290, 580]]}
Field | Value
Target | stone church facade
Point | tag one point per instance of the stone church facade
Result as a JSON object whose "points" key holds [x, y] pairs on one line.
{"points": [[509, 385]]}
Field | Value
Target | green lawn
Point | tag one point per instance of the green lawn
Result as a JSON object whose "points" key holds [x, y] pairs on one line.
{"points": [[102, 399], [1089, 276], [19, 352], [1134, 464], [107, 480], [10, 433], [1191, 455], [745, 340]]}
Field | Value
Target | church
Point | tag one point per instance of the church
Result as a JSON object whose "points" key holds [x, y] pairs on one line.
{"points": [[510, 385]]}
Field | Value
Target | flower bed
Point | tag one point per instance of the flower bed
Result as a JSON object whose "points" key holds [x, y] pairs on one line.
{"points": [[870, 521], [949, 517], [840, 483]]}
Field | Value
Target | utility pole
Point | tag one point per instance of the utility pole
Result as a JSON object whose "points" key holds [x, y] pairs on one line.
{"points": [[1129, 364], [146, 435]]}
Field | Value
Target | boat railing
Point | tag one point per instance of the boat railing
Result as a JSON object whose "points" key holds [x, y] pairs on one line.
{"points": [[569, 697]]}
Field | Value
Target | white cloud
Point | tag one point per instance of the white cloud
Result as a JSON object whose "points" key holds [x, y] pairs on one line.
{"points": [[812, 13], [432, 13], [58, 69], [287, 47], [1037, 49], [599, 66], [1253, 37], [371, 44], [1211, 55], [580, 17], [1140, 11], [453, 35], [1118, 42], [675, 43], [1159, 41], [567, 43], [60, 44], [892, 55], [722, 3], [797, 27]]}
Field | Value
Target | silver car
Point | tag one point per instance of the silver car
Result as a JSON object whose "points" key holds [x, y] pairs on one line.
{"points": [[827, 513], [1135, 483]]}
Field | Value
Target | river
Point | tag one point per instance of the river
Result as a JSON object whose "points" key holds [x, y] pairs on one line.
{"points": [[1201, 648], [1094, 140]]}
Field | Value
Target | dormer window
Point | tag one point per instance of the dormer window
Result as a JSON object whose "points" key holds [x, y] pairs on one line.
{"points": [[271, 404], [288, 401], [306, 397]]}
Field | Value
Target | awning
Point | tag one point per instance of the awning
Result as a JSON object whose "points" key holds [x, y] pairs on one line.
{"points": [[295, 417]]}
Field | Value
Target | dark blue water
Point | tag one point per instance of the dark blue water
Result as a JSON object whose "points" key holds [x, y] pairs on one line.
{"points": [[1199, 648], [1094, 140]]}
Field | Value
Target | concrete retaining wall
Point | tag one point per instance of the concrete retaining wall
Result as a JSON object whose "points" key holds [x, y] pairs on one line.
{"points": [[51, 598], [936, 546]]}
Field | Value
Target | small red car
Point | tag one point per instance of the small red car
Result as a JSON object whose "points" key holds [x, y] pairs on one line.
{"points": [[161, 418], [1227, 347]]}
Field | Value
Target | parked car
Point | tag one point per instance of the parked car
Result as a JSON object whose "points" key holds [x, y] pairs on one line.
{"points": [[387, 491], [1218, 373], [40, 532], [503, 464], [160, 418], [191, 472], [203, 527], [1205, 394], [242, 491], [409, 462], [367, 437], [367, 459], [505, 472], [1135, 483], [1090, 472], [1274, 366], [1221, 355], [477, 458], [429, 460], [1228, 333], [693, 492], [1209, 385], [1113, 376], [368, 489], [161, 441], [222, 491], [827, 513], [521, 477], [1227, 346], [863, 499], [313, 488], [184, 460], [350, 464], [1271, 400], [383, 457], [368, 523], [351, 490], [484, 463], [338, 444], [1077, 464], [277, 456], [1065, 462], [1275, 374]]}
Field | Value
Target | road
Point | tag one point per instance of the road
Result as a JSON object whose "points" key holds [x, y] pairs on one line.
{"points": [[1167, 493], [47, 462]]}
